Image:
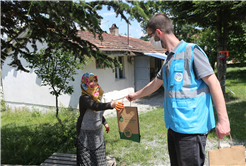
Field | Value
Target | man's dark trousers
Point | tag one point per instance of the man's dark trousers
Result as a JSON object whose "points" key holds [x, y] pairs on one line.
{"points": [[186, 149]]}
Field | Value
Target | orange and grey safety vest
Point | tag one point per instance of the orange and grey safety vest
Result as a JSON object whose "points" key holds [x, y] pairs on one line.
{"points": [[187, 100]]}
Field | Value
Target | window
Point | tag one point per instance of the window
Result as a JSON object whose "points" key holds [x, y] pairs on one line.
{"points": [[120, 73]]}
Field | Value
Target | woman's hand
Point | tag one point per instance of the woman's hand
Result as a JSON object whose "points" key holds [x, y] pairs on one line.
{"points": [[117, 105], [107, 127]]}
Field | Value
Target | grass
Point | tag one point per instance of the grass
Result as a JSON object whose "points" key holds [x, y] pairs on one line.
{"points": [[153, 140], [29, 137], [235, 103]]}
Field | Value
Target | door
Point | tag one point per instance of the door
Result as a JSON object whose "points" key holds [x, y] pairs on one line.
{"points": [[142, 71]]}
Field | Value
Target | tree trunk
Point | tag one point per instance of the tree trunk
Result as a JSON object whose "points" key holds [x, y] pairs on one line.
{"points": [[57, 111], [222, 35]]}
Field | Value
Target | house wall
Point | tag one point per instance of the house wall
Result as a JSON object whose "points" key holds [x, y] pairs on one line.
{"points": [[24, 89], [1, 89], [113, 89]]}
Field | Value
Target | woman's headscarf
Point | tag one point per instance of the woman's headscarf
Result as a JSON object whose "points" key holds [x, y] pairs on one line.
{"points": [[94, 91]]}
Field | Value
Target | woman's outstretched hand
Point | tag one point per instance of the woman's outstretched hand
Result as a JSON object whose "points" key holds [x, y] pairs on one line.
{"points": [[117, 105]]}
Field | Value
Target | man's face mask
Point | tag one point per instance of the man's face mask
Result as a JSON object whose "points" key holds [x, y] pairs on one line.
{"points": [[156, 44]]}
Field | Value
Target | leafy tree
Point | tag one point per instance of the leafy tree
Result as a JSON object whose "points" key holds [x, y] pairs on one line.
{"points": [[207, 41], [224, 17], [237, 47], [55, 71], [143, 27], [187, 32], [57, 23]]}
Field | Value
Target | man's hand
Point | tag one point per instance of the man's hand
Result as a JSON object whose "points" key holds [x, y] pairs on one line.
{"points": [[222, 129], [131, 96], [148, 89]]}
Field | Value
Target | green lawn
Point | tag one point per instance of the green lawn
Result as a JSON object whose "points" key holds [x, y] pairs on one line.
{"points": [[153, 134], [29, 137], [236, 103]]}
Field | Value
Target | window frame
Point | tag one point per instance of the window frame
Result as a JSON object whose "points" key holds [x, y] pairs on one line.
{"points": [[118, 75]]}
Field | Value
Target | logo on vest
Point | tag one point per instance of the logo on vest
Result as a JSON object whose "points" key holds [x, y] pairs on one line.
{"points": [[178, 77]]}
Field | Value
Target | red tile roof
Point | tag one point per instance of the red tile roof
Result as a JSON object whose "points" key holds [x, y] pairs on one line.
{"points": [[120, 43]]}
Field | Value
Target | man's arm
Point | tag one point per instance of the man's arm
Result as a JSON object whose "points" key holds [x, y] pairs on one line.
{"points": [[148, 89], [223, 125]]}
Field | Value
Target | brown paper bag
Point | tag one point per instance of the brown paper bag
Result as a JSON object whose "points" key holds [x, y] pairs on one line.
{"points": [[234, 155], [128, 123]]}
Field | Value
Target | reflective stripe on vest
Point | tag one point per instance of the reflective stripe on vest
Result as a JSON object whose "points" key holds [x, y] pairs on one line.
{"points": [[186, 91]]}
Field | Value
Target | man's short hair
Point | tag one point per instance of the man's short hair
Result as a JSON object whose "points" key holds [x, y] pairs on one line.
{"points": [[160, 21]]}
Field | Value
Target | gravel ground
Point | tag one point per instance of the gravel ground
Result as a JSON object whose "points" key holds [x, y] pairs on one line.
{"points": [[154, 101]]}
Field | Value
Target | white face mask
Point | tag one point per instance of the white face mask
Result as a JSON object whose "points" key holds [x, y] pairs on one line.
{"points": [[156, 44]]}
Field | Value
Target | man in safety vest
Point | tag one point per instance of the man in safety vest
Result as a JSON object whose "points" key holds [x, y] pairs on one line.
{"points": [[189, 82]]}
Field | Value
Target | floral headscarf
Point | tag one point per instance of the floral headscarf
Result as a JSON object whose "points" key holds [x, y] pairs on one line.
{"points": [[94, 91]]}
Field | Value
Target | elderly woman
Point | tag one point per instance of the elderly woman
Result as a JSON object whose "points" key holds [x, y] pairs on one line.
{"points": [[91, 149]]}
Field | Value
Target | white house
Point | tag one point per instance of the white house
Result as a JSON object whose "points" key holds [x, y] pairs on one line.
{"points": [[140, 60]]}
